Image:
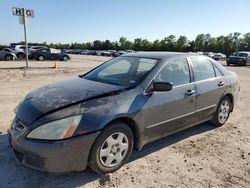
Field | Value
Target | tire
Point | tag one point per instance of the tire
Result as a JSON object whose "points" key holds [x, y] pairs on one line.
{"points": [[65, 58], [112, 148], [41, 58], [8, 58], [20, 55], [223, 112], [228, 64]]}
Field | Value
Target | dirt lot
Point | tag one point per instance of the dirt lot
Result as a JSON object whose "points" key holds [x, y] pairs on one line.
{"points": [[203, 156]]}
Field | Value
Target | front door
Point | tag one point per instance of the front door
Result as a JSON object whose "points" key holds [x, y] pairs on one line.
{"points": [[167, 112]]}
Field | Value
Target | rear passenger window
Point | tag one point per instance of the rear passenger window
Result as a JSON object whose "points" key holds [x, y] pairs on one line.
{"points": [[203, 69], [176, 71]]}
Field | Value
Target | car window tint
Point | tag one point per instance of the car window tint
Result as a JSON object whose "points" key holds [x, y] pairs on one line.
{"points": [[121, 67], [176, 71], [217, 72], [124, 71], [145, 65], [203, 69]]}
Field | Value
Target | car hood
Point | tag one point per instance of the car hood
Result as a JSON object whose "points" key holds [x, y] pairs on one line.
{"points": [[53, 97]]}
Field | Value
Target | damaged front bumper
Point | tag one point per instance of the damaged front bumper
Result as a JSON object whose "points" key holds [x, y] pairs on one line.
{"points": [[52, 156]]}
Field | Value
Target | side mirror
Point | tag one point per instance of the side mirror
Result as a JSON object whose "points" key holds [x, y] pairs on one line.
{"points": [[162, 86]]}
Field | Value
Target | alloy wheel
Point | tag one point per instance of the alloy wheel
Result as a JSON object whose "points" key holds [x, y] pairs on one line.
{"points": [[224, 111], [65, 58]]}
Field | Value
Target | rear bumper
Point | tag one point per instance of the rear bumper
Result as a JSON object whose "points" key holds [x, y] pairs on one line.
{"points": [[54, 157]]}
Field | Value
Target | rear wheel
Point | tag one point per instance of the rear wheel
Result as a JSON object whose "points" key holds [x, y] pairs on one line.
{"points": [[41, 58], [112, 148], [222, 113], [8, 58], [65, 58], [20, 55]]}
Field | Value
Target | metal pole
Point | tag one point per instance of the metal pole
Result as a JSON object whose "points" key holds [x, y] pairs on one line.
{"points": [[25, 37]]}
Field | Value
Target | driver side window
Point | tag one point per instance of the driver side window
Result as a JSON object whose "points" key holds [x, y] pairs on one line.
{"points": [[176, 72]]}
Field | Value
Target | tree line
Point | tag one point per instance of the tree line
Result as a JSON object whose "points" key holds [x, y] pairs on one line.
{"points": [[203, 42]]}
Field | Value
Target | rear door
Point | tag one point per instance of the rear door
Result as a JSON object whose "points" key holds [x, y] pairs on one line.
{"points": [[54, 55], [167, 112], [210, 86]]}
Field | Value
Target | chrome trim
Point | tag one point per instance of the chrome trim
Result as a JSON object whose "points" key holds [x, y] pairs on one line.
{"points": [[206, 108], [150, 126], [156, 124]]}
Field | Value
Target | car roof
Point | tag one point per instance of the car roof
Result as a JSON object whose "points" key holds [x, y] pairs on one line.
{"points": [[243, 52], [157, 55]]}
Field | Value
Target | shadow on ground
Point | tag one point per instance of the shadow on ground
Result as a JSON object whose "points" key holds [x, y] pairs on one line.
{"points": [[14, 175]]}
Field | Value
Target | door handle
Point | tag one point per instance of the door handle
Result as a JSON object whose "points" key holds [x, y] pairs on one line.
{"points": [[190, 92], [220, 84]]}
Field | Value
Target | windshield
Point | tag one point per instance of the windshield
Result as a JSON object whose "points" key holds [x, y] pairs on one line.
{"points": [[124, 71]]}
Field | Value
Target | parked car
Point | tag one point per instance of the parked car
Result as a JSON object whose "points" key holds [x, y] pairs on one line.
{"points": [[8, 50], [219, 57], [67, 51], [49, 54], [75, 51], [7, 56], [97, 118], [103, 53], [209, 54], [19, 51], [119, 53], [34, 48], [239, 58], [85, 52], [129, 51], [112, 52]]}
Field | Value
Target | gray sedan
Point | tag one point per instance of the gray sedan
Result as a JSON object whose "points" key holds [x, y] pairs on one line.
{"points": [[7, 56], [97, 119]]}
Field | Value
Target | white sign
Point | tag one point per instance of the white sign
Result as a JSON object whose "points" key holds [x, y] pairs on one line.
{"points": [[23, 12]]}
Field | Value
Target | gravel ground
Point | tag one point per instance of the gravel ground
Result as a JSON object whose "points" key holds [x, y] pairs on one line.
{"points": [[203, 156]]}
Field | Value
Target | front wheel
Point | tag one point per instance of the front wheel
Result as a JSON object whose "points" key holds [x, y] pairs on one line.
{"points": [[228, 64], [222, 113], [112, 148], [8, 58]]}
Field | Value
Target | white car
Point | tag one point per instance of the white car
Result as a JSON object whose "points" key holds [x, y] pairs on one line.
{"points": [[219, 56], [19, 51]]}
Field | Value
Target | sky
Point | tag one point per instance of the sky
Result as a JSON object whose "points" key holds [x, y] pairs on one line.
{"points": [[68, 21]]}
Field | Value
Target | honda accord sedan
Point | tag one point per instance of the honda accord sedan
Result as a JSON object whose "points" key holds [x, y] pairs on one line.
{"points": [[98, 118]]}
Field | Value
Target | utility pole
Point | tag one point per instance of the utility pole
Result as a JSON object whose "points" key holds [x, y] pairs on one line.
{"points": [[24, 13], [26, 43]]}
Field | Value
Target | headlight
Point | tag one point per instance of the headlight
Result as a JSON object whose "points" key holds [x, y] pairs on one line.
{"points": [[56, 130]]}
